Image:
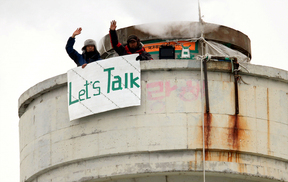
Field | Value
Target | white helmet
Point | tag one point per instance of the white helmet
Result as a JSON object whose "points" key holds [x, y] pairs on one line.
{"points": [[89, 42]]}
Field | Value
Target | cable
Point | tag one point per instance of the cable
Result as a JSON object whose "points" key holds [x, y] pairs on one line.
{"points": [[244, 67], [203, 123], [108, 54]]}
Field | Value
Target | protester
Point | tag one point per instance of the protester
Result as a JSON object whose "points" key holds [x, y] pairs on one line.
{"points": [[133, 44], [89, 50]]}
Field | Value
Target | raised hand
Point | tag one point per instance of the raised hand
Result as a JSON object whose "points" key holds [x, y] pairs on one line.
{"points": [[113, 25], [84, 65], [77, 32]]}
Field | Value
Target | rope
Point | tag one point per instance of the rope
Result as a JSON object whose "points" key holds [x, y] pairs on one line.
{"points": [[244, 67], [108, 54], [239, 78], [202, 108]]}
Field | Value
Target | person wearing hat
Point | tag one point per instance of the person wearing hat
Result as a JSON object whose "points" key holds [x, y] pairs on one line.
{"points": [[133, 44], [89, 50]]}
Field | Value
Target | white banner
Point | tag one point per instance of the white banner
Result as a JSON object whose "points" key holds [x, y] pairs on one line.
{"points": [[104, 85]]}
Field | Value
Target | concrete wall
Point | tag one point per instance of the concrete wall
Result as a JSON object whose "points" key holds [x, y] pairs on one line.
{"points": [[161, 140]]}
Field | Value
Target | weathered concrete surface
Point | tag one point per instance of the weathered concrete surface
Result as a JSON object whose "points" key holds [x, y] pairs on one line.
{"points": [[39, 89], [162, 138]]}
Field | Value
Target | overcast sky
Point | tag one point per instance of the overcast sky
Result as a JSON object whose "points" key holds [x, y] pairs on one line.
{"points": [[33, 35]]}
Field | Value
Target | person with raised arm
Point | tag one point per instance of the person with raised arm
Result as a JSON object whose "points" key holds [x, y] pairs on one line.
{"points": [[133, 44], [89, 50]]}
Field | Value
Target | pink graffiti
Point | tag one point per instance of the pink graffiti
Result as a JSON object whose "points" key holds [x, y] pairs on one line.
{"points": [[189, 92], [169, 89], [150, 93]]}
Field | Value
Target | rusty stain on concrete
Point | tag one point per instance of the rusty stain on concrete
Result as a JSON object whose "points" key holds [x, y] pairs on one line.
{"points": [[223, 156], [268, 123], [207, 133], [190, 166], [237, 126], [233, 157], [242, 168], [227, 156], [207, 129], [236, 136], [234, 131], [208, 156]]}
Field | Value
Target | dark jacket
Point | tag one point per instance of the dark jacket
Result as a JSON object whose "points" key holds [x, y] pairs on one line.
{"points": [[124, 50], [80, 59]]}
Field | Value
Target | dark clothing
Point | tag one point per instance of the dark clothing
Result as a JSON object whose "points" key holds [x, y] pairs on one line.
{"points": [[83, 58], [124, 50]]}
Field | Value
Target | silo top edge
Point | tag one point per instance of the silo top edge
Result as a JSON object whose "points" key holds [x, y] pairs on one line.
{"points": [[40, 88], [183, 29], [157, 65]]}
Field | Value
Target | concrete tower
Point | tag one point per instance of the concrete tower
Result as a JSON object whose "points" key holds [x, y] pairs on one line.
{"points": [[223, 120]]}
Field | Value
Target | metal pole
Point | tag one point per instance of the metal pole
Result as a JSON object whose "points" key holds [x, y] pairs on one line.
{"points": [[206, 86], [203, 123], [236, 66]]}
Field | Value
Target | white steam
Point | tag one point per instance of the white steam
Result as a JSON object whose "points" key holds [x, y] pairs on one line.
{"points": [[177, 29]]}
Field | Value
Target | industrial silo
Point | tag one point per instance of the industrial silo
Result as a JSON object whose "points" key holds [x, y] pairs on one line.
{"points": [[206, 114]]}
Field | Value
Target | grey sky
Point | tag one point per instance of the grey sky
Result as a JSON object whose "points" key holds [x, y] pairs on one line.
{"points": [[33, 35]]}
